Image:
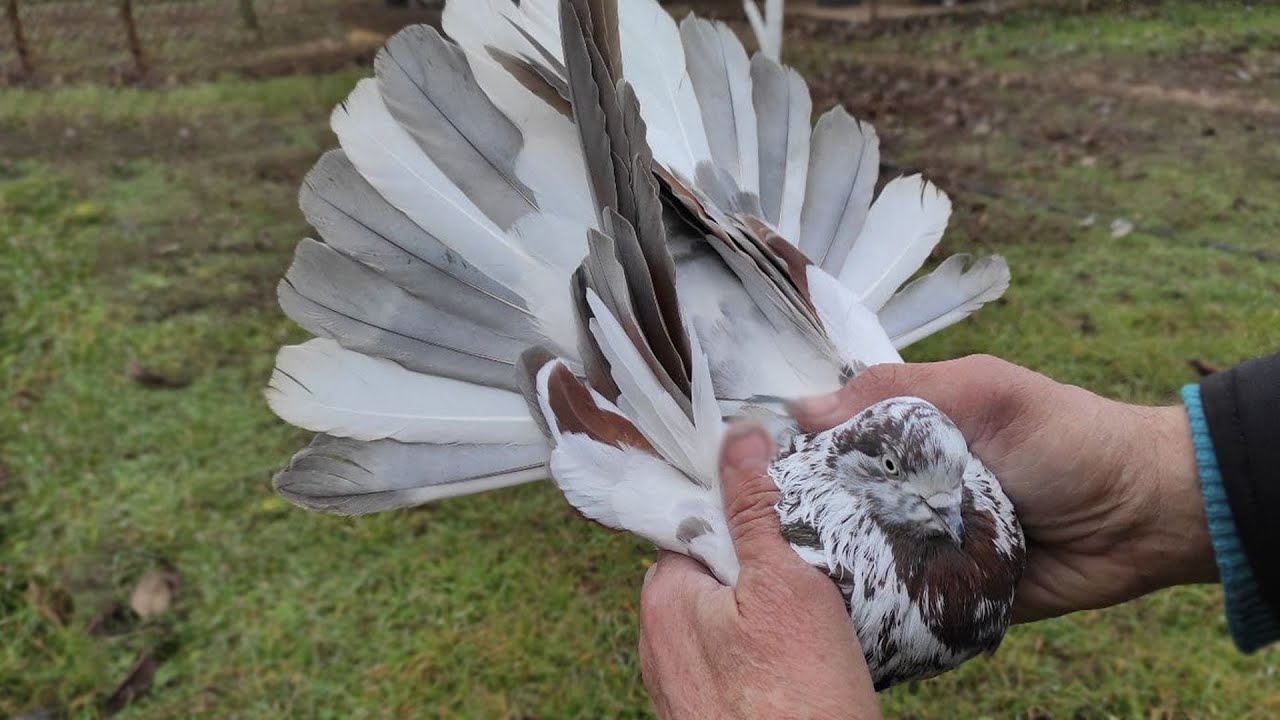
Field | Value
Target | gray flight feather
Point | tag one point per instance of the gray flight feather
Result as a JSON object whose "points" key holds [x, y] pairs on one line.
{"points": [[352, 477], [721, 76], [785, 296], [594, 363], [593, 105], [844, 160], [355, 220], [537, 79], [600, 18], [427, 85], [783, 110], [607, 276], [944, 297], [642, 289], [645, 299], [331, 295], [546, 58], [663, 324]]}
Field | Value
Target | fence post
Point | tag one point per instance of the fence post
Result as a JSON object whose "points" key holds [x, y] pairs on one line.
{"points": [[19, 39], [249, 15], [131, 31]]}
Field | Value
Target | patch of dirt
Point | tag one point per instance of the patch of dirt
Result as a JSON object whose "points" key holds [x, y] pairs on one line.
{"points": [[1231, 80]]}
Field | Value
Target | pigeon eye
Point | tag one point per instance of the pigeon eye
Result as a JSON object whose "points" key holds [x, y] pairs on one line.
{"points": [[890, 464]]}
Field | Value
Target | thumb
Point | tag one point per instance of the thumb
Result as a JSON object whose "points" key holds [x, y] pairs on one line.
{"points": [[876, 383], [751, 497]]}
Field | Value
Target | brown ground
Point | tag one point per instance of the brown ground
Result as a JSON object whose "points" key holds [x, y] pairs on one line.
{"points": [[928, 98]]}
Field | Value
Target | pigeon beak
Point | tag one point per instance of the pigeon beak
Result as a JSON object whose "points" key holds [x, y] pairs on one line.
{"points": [[953, 521]]}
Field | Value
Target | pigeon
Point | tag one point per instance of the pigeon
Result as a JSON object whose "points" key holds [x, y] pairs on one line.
{"points": [[573, 238]]}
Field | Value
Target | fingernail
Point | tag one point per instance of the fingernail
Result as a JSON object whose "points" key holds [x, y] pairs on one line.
{"points": [[748, 446], [648, 573], [816, 406]]}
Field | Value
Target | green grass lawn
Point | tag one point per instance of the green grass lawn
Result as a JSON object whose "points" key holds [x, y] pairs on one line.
{"points": [[148, 229]]}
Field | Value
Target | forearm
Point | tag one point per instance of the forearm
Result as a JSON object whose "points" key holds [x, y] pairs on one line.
{"points": [[1174, 546]]}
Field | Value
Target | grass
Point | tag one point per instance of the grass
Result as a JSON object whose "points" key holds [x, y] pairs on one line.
{"points": [[1038, 35], [138, 244]]}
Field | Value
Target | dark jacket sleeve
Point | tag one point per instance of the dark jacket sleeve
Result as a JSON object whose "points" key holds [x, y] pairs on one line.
{"points": [[1242, 410]]}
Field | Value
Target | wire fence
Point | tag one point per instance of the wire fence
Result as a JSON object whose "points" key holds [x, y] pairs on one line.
{"points": [[54, 41]]}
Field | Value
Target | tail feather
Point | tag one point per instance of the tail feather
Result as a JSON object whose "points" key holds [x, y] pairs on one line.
{"points": [[473, 212], [428, 88], [783, 108], [944, 297], [843, 165], [323, 387], [333, 296], [350, 477], [902, 228], [355, 220], [721, 77]]}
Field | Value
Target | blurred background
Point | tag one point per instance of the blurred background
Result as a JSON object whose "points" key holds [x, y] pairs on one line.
{"points": [[1124, 156]]}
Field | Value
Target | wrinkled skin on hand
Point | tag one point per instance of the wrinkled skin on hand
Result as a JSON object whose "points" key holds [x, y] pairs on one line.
{"points": [[778, 645], [1107, 493]]}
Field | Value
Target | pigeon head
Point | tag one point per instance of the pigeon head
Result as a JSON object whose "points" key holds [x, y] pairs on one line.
{"points": [[908, 459]]}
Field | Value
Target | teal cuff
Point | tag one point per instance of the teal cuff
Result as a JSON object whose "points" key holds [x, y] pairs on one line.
{"points": [[1251, 622]]}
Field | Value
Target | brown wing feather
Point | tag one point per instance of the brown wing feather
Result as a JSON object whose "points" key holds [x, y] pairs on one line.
{"points": [[576, 412]]}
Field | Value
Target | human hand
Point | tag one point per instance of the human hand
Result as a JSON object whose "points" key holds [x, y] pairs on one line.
{"points": [[778, 645], [1107, 493]]}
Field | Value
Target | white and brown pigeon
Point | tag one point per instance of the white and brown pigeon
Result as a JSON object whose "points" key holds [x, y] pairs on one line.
{"points": [[574, 237]]}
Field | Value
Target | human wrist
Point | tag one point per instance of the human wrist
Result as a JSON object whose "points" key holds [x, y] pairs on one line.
{"points": [[1172, 543]]}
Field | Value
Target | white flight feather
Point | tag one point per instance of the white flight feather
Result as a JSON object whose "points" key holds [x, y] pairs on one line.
{"points": [[783, 109], [557, 246], [653, 62], [774, 19], [707, 420], [903, 226], [630, 489], [644, 400], [551, 161], [321, 386], [544, 399], [475, 24], [854, 329], [843, 167]]}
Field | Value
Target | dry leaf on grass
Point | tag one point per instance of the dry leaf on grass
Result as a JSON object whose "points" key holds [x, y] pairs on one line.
{"points": [[135, 684]]}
